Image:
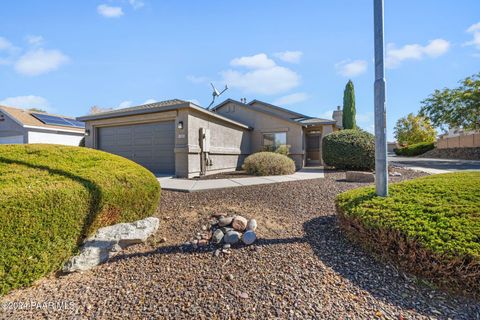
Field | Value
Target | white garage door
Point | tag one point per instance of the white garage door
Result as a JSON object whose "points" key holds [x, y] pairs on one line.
{"points": [[149, 144], [11, 140]]}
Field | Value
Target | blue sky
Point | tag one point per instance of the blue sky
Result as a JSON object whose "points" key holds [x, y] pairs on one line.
{"points": [[66, 56]]}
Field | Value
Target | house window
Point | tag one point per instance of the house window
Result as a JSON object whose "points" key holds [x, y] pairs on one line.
{"points": [[274, 140]]}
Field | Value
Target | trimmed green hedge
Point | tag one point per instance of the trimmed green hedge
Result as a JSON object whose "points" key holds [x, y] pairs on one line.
{"points": [[51, 197], [430, 226], [352, 149], [268, 164], [414, 149]]}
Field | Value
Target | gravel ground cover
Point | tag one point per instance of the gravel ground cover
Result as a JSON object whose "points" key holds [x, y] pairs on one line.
{"points": [[301, 267]]}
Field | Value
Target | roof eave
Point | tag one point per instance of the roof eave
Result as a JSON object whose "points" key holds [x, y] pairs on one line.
{"points": [[159, 109], [107, 115]]}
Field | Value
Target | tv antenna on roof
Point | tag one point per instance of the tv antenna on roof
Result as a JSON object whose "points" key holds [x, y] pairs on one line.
{"points": [[215, 94]]}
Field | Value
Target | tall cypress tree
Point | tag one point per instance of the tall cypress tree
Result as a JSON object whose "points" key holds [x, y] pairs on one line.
{"points": [[348, 118]]}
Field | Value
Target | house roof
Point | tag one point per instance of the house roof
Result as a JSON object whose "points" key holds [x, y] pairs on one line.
{"points": [[296, 117], [27, 120], [161, 106], [293, 113]]}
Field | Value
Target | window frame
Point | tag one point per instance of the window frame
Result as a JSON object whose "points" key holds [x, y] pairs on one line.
{"points": [[274, 145]]}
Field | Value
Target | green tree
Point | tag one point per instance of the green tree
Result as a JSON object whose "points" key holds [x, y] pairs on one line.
{"points": [[348, 119], [455, 108], [414, 129]]}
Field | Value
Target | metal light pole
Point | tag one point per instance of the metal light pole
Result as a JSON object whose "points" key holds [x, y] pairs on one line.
{"points": [[381, 165]]}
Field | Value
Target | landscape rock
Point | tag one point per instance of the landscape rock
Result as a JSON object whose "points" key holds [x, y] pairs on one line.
{"points": [[249, 237], [252, 225], [218, 214], [108, 241], [226, 229], [359, 176], [239, 223], [231, 237], [217, 236], [225, 221]]}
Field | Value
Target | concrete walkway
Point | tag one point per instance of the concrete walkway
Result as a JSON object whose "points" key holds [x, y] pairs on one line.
{"points": [[187, 185]]}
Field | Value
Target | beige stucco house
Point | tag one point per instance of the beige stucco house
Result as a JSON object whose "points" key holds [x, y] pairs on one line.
{"points": [[177, 137]]}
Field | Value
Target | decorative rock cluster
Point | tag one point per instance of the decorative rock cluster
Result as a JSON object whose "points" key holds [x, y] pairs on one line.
{"points": [[225, 231]]}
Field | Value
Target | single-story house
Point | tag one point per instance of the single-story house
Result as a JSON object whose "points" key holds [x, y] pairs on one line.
{"points": [[180, 138], [18, 126]]}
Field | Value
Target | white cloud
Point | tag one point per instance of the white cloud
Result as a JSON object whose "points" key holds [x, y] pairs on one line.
{"points": [[291, 98], [109, 11], [124, 104], [289, 56], [5, 45], [433, 49], [266, 77], [349, 68], [262, 81], [7, 51], [474, 29], [38, 61], [35, 40], [258, 61], [148, 101], [27, 102], [326, 115], [136, 4], [196, 79]]}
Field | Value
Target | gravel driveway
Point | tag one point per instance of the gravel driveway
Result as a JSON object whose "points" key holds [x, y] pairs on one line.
{"points": [[301, 268]]}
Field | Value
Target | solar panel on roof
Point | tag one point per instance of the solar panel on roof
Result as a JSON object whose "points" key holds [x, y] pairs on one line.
{"points": [[58, 121], [76, 124]]}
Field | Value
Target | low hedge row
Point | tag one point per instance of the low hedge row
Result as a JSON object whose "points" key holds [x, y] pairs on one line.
{"points": [[352, 149], [414, 149], [430, 226], [268, 164], [54, 196]]}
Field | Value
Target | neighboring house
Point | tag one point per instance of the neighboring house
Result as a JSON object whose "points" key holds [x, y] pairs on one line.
{"points": [[18, 126], [178, 137]]}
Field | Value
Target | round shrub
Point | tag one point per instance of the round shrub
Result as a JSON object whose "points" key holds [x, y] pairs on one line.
{"points": [[268, 164], [429, 226], [52, 197], [351, 149]]}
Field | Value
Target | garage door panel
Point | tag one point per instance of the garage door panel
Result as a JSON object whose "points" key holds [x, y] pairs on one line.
{"points": [[151, 145]]}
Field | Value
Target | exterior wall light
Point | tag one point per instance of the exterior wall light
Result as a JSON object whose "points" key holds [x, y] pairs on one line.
{"points": [[87, 132], [180, 125]]}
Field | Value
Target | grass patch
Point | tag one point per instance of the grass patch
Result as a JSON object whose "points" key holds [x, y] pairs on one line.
{"points": [[430, 226], [51, 197]]}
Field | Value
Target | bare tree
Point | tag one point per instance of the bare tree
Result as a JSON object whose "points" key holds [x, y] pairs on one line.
{"points": [[97, 109]]}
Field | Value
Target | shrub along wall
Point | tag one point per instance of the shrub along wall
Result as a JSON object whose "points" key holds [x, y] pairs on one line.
{"points": [[54, 196], [429, 226], [349, 150], [415, 149]]}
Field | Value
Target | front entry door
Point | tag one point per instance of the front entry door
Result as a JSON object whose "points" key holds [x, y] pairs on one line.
{"points": [[314, 148]]}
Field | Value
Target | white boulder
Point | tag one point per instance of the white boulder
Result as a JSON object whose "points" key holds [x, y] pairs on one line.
{"points": [[108, 241]]}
